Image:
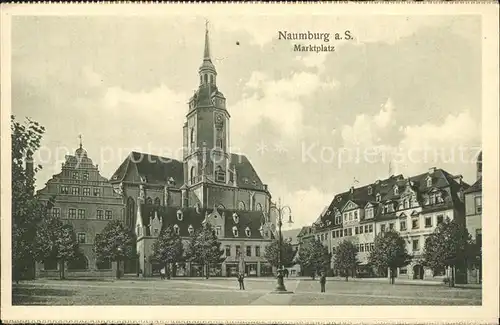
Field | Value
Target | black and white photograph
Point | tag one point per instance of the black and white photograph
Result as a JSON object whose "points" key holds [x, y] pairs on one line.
{"points": [[248, 158]]}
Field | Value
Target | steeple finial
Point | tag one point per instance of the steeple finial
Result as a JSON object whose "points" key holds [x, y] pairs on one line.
{"points": [[206, 54], [80, 137]]}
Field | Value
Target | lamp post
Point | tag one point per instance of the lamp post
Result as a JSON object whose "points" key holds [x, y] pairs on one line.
{"points": [[119, 249], [280, 216]]}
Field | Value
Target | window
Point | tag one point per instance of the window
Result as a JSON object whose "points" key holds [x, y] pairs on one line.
{"points": [[190, 229], [382, 228], [193, 176], [179, 215], [176, 229], [396, 190], [369, 213], [72, 213], [367, 247], [97, 191], [149, 200], [360, 229], [391, 226], [220, 176], [356, 230], [86, 191], [350, 216], [249, 250], [439, 219], [257, 251], [337, 219], [157, 201], [402, 225], [63, 189], [378, 197], [366, 228], [241, 205], [372, 246], [333, 234], [109, 215], [238, 250], [235, 232], [236, 218], [75, 191], [428, 222], [349, 231], [218, 230], [76, 175], [85, 176], [414, 223], [479, 204], [429, 181], [81, 214], [345, 217], [100, 214], [56, 212], [406, 204], [228, 250], [403, 270], [82, 238], [345, 232], [371, 228], [361, 248], [355, 215], [415, 245], [258, 207]]}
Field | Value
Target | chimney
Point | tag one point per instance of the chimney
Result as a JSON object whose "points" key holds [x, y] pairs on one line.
{"points": [[352, 189], [458, 178], [432, 170]]}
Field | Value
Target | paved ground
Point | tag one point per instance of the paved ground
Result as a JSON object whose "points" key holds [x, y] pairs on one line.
{"points": [[225, 292]]}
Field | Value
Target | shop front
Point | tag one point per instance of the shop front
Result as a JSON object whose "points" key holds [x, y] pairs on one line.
{"points": [[231, 269], [251, 269], [215, 270], [266, 269]]}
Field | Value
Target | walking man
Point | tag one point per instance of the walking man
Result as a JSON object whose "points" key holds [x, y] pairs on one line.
{"points": [[240, 281], [322, 281]]}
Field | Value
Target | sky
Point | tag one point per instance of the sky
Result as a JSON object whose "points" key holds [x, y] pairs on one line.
{"points": [[403, 96]]}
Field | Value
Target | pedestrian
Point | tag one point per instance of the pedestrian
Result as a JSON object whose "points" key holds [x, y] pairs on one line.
{"points": [[322, 281], [240, 281], [162, 273]]}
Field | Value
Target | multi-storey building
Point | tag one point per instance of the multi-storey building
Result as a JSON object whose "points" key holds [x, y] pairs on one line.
{"points": [[473, 214], [412, 206], [210, 184], [87, 201]]}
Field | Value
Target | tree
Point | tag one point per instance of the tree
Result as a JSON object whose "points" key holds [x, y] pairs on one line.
{"points": [[168, 248], [389, 252], [314, 256], [55, 240], [114, 243], [448, 246], [271, 253], [346, 257], [27, 209], [204, 248]]}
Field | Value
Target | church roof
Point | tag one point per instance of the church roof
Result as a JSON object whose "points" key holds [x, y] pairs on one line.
{"points": [[192, 216], [158, 170]]}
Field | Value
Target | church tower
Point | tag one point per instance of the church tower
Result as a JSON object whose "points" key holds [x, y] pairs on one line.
{"points": [[206, 154]]}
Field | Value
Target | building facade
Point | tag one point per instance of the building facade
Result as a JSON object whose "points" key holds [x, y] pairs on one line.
{"points": [[473, 215], [87, 201], [210, 184], [412, 206]]}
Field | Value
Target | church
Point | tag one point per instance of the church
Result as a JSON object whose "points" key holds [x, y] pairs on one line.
{"points": [[210, 184]]}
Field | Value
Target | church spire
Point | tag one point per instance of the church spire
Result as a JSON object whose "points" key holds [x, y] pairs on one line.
{"points": [[207, 70], [206, 54]]}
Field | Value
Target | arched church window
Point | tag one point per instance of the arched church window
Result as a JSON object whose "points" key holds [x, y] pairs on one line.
{"points": [[157, 201], [236, 218], [191, 137], [176, 229], [179, 215], [258, 207], [192, 176], [248, 233], [206, 78], [235, 231], [149, 200], [241, 205], [130, 212], [219, 143]]}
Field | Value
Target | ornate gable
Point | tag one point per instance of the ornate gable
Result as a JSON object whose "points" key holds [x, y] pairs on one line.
{"points": [[350, 206]]}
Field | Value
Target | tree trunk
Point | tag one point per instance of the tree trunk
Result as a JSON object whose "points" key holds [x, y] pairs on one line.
{"points": [[452, 280], [61, 269], [206, 271]]}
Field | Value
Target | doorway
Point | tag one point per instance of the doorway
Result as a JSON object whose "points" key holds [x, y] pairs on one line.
{"points": [[418, 272]]}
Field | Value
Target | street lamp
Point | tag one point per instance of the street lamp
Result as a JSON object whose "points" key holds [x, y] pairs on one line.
{"points": [[119, 249], [280, 216]]}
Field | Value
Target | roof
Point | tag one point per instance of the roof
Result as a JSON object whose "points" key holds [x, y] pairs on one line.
{"points": [[159, 170], [291, 234], [368, 193], [304, 231], [476, 187], [192, 216]]}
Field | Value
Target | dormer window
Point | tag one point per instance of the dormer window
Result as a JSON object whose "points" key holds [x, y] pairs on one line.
{"points": [[179, 215], [378, 197], [337, 219], [235, 231], [247, 232], [369, 213], [190, 229], [339, 199], [396, 190], [370, 190], [429, 181], [236, 218], [176, 229]]}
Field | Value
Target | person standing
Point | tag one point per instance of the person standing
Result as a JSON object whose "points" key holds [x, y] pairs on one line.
{"points": [[322, 281], [241, 278], [162, 273]]}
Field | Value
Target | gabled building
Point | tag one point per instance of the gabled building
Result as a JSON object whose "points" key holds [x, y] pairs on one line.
{"points": [[209, 179], [87, 201], [413, 206]]}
